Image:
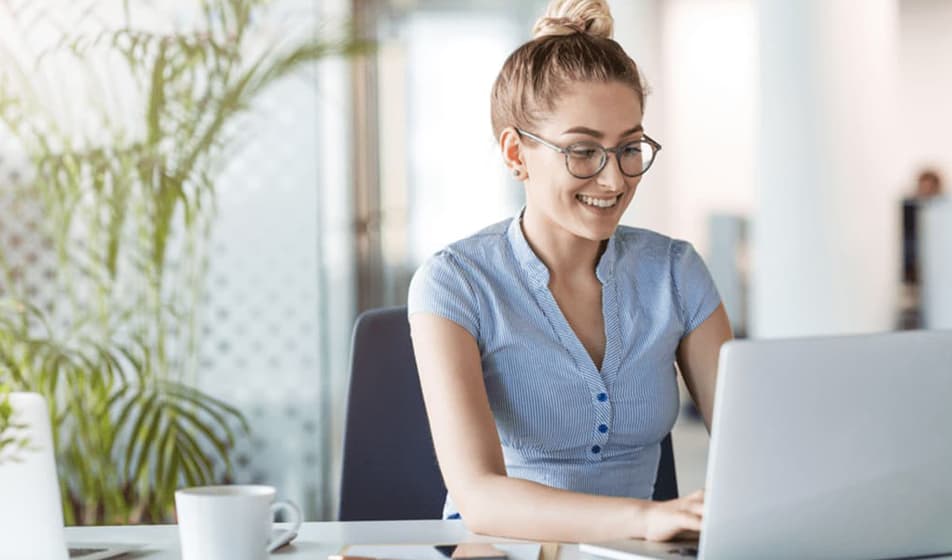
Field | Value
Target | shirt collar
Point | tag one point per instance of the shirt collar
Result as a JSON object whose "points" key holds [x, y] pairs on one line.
{"points": [[536, 269]]}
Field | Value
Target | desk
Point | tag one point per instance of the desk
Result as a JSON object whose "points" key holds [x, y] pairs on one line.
{"points": [[314, 541]]}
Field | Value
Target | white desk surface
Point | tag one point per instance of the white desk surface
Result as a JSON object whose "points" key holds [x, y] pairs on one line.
{"points": [[314, 540]]}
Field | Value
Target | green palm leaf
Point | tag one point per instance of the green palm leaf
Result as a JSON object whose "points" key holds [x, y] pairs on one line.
{"points": [[128, 424]]}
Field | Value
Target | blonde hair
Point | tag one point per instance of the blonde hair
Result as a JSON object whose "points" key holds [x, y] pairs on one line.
{"points": [[571, 43]]}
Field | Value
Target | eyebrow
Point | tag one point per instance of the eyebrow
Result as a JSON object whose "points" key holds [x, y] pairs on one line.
{"points": [[598, 134]]}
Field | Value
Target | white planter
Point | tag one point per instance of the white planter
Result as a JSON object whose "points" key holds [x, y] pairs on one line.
{"points": [[31, 514]]}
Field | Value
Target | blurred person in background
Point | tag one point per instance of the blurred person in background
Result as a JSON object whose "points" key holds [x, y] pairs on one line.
{"points": [[546, 344], [928, 186]]}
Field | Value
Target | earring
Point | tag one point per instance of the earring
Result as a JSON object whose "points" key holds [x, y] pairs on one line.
{"points": [[516, 172]]}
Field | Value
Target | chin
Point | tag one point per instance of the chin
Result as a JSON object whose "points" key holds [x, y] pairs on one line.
{"points": [[597, 233]]}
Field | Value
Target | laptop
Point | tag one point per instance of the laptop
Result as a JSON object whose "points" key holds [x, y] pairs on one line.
{"points": [[833, 447], [31, 515]]}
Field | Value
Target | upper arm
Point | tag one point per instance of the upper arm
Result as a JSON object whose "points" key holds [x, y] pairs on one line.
{"points": [[698, 354], [705, 323], [451, 377]]}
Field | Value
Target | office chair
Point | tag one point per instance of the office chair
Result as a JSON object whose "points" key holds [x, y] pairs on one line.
{"points": [[389, 467]]}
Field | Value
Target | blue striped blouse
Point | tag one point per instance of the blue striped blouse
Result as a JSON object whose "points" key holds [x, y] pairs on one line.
{"points": [[562, 421]]}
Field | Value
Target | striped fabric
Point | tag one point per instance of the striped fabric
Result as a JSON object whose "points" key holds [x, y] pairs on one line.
{"points": [[562, 421]]}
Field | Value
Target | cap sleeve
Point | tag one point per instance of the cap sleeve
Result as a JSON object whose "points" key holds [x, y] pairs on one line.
{"points": [[440, 287], [694, 287]]}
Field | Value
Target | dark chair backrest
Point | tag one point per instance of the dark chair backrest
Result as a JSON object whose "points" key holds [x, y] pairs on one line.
{"points": [[390, 469]]}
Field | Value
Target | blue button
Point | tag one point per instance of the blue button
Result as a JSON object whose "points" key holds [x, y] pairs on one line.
{"points": [[603, 428], [602, 397], [596, 449]]}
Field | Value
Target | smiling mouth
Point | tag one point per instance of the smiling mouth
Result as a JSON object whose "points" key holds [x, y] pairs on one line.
{"points": [[598, 202]]}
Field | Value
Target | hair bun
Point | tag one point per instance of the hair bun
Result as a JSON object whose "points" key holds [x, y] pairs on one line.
{"points": [[565, 17]]}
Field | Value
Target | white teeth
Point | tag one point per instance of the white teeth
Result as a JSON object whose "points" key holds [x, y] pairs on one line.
{"points": [[598, 202]]}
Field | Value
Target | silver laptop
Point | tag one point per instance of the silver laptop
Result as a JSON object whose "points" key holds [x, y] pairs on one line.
{"points": [[835, 447]]}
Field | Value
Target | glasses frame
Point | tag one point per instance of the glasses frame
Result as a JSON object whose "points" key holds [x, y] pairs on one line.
{"points": [[605, 151]]}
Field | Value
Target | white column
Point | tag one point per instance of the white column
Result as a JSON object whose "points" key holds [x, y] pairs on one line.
{"points": [[825, 232]]}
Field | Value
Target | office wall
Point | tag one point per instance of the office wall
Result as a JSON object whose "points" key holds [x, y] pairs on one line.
{"points": [[925, 87], [881, 111], [639, 30], [710, 72], [699, 58], [689, 46]]}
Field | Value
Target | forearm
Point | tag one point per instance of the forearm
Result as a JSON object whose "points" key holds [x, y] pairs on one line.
{"points": [[516, 508]]}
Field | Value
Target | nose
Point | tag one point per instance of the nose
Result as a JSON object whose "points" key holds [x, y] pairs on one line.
{"points": [[610, 176]]}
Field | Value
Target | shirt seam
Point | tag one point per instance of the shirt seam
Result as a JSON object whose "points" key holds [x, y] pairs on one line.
{"points": [[675, 253], [469, 287]]}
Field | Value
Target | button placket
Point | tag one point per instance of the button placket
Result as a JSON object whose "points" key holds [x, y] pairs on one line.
{"points": [[601, 428]]}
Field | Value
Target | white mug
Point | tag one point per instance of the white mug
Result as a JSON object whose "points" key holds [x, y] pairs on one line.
{"points": [[230, 522]]}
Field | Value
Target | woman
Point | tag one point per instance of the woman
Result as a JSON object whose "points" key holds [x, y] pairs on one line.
{"points": [[546, 344]]}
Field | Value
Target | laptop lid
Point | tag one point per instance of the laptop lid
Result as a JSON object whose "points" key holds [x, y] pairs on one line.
{"points": [[831, 447]]}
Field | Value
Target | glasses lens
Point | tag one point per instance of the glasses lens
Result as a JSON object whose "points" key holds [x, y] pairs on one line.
{"points": [[635, 158], [585, 159]]}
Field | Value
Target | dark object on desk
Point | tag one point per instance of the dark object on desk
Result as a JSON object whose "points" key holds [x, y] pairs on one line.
{"points": [[471, 551], [389, 469], [99, 551]]}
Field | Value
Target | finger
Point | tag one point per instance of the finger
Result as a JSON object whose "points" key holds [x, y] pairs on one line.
{"points": [[689, 521], [697, 508]]}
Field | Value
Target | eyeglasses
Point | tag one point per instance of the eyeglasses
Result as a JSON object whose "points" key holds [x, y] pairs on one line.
{"points": [[584, 160]]}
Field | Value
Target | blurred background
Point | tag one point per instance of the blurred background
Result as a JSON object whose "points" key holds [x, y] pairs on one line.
{"points": [[197, 198]]}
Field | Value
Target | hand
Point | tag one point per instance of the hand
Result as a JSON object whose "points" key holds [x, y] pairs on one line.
{"points": [[665, 521]]}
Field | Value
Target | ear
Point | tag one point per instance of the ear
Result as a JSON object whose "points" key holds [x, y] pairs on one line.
{"points": [[511, 146]]}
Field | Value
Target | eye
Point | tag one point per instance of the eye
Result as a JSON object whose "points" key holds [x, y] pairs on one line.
{"points": [[631, 150], [583, 151]]}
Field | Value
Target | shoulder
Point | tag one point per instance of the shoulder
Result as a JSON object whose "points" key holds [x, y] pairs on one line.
{"points": [[468, 255], [649, 254], [639, 243], [485, 241], [481, 250], [449, 282]]}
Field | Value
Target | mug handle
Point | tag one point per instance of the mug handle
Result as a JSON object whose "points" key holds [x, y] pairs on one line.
{"points": [[284, 537]]}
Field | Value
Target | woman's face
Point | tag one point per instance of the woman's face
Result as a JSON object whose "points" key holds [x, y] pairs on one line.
{"points": [[606, 113]]}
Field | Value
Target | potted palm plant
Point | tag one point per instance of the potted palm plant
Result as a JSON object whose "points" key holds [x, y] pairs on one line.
{"points": [[115, 353]]}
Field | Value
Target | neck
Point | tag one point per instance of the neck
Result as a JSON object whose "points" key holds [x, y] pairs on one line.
{"points": [[566, 255]]}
